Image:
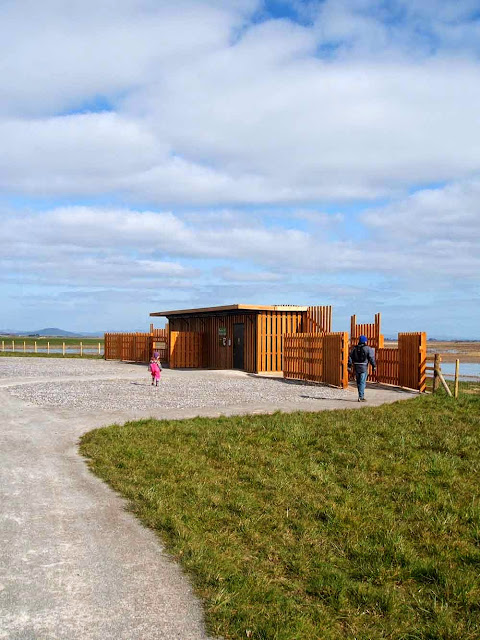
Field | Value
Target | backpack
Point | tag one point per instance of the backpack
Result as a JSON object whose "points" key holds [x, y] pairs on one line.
{"points": [[359, 354]]}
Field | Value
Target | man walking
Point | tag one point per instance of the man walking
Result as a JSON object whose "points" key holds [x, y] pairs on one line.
{"points": [[360, 356]]}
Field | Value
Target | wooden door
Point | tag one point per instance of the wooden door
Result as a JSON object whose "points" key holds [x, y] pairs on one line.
{"points": [[238, 345]]}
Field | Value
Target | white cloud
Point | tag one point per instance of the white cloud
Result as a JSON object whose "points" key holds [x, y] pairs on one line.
{"points": [[255, 277], [178, 115], [404, 28], [448, 213], [206, 111], [59, 55], [87, 153], [434, 230]]}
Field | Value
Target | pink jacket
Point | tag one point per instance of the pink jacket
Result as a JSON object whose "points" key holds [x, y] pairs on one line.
{"points": [[154, 370]]}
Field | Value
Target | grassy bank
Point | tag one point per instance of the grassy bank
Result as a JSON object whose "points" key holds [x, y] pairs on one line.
{"points": [[27, 354], [343, 524], [38, 347], [54, 341]]}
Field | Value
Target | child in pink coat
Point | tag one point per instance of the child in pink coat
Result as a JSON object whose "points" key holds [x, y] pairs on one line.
{"points": [[155, 368]]}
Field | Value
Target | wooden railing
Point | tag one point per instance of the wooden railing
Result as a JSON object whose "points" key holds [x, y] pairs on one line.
{"points": [[438, 379], [52, 347]]}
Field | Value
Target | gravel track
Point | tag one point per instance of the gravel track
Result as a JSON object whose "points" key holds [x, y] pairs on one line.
{"points": [[22, 367], [74, 565], [99, 385]]}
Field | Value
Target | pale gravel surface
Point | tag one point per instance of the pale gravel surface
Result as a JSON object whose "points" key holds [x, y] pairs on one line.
{"points": [[74, 565], [118, 386], [23, 367]]}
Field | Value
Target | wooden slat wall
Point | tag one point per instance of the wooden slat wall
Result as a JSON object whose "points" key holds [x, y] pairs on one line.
{"points": [[271, 328], [317, 358], [160, 339], [185, 349], [133, 347], [214, 354], [263, 336], [160, 333], [405, 366], [370, 330], [111, 347], [335, 359], [387, 360], [318, 320], [303, 356], [412, 350]]}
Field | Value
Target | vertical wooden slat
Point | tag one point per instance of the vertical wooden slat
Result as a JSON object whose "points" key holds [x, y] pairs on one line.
{"points": [[318, 320], [317, 357], [134, 347]]}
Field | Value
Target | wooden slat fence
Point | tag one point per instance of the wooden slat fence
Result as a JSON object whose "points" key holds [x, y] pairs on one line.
{"points": [[160, 339], [370, 330], [406, 365], [412, 350], [272, 326], [316, 357], [335, 359], [303, 356], [318, 320], [132, 347], [387, 365], [323, 358], [186, 349]]}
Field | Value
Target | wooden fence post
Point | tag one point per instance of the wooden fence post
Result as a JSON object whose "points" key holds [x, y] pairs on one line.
{"points": [[3, 345], [81, 348], [63, 348], [24, 347], [436, 367], [457, 371], [35, 346], [99, 352], [441, 379], [48, 348]]}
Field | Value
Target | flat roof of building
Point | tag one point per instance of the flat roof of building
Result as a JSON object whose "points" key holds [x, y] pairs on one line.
{"points": [[230, 308]]}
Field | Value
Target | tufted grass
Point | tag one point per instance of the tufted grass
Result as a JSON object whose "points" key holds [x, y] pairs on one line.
{"points": [[357, 524]]}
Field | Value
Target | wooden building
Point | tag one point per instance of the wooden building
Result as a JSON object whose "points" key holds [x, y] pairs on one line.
{"points": [[246, 337]]}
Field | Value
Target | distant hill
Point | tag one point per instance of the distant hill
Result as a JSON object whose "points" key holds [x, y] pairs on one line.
{"points": [[55, 332]]}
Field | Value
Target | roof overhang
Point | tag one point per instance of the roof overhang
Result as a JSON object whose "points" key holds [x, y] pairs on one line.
{"points": [[229, 309]]}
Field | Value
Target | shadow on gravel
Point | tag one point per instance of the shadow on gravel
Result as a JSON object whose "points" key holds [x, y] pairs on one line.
{"points": [[279, 380], [327, 398]]}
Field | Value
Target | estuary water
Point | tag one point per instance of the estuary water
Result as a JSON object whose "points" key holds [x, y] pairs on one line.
{"points": [[468, 370]]}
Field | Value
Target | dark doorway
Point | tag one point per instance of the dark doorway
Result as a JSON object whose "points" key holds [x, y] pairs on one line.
{"points": [[238, 339]]}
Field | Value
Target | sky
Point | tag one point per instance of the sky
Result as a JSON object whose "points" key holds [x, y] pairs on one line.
{"points": [[164, 155]]}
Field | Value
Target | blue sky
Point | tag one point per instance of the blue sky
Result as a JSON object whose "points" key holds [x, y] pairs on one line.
{"points": [[159, 155]]}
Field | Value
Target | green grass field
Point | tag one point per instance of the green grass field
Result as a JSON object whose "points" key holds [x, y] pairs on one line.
{"points": [[20, 354], [340, 524], [19, 340], [72, 347]]}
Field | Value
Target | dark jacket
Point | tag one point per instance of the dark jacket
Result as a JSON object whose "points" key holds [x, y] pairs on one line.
{"points": [[363, 366]]}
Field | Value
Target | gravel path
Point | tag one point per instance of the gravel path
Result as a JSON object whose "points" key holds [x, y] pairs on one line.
{"points": [[74, 565], [11, 367], [128, 387], [125, 389]]}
